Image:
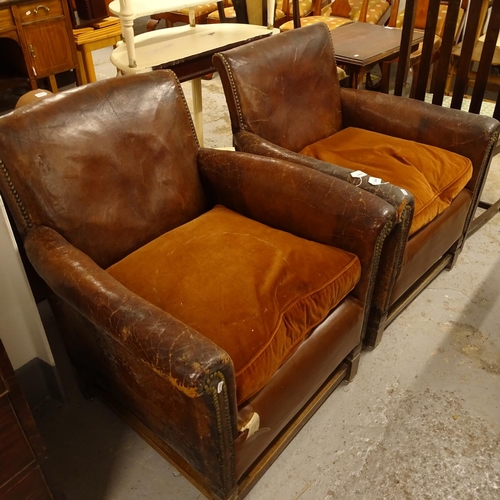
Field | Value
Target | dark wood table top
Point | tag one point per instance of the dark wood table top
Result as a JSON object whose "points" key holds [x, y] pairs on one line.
{"points": [[362, 44]]}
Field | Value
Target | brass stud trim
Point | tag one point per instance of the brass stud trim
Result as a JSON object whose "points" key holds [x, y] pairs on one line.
{"points": [[216, 386], [15, 195]]}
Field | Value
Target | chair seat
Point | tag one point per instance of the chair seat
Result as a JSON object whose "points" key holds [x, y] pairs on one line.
{"points": [[433, 175], [230, 13], [199, 10], [331, 21], [254, 291], [305, 7], [443, 9], [376, 9]]}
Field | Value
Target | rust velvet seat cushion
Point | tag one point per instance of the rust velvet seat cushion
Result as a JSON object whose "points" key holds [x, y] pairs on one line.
{"points": [[254, 291], [433, 175]]}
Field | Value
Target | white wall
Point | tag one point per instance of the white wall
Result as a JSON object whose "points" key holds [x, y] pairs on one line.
{"points": [[21, 329]]}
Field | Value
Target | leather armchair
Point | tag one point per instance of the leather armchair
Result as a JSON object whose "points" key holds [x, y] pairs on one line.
{"points": [[285, 102], [152, 248]]}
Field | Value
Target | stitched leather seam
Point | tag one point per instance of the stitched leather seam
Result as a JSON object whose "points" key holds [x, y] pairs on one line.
{"points": [[375, 263], [235, 93], [179, 87], [212, 384], [15, 195], [406, 222]]}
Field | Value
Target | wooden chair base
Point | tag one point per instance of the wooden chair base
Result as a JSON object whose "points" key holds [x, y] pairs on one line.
{"points": [[346, 371], [375, 332]]}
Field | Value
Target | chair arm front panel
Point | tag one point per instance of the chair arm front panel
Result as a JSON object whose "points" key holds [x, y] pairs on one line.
{"points": [[188, 430], [303, 202], [467, 134], [181, 355]]}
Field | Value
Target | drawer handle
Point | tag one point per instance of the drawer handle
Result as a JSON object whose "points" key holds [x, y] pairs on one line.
{"points": [[32, 50], [35, 10]]}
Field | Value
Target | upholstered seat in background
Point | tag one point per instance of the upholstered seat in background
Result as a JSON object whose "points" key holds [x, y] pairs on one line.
{"points": [[340, 12], [290, 102], [214, 298]]}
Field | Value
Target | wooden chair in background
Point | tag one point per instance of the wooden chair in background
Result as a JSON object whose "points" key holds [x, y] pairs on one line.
{"points": [[422, 9], [466, 93], [201, 13], [339, 12]]}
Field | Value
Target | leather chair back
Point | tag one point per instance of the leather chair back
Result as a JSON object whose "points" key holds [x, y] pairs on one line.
{"points": [[142, 183], [289, 122]]}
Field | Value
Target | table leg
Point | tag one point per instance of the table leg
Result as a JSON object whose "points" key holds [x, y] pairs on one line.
{"points": [[53, 84], [197, 108], [89, 65], [354, 78], [81, 73]]}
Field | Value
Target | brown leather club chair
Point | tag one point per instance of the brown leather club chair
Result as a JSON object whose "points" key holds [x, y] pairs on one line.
{"points": [[285, 102], [212, 297]]}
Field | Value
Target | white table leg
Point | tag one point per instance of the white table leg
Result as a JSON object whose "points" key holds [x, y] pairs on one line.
{"points": [[270, 13], [197, 108], [127, 24]]}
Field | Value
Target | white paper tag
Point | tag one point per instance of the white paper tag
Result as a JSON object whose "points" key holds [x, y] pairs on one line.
{"points": [[358, 174], [375, 181]]}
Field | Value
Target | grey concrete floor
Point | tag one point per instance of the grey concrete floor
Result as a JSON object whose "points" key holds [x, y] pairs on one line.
{"points": [[421, 420]]}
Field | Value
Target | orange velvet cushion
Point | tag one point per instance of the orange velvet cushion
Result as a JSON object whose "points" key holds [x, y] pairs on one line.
{"points": [[433, 175], [254, 291]]}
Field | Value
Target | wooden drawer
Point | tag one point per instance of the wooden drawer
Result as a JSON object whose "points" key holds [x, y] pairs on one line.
{"points": [[6, 20], [15, 451], [31, 12]]}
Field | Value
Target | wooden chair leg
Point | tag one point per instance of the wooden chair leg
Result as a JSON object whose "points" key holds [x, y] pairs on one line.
{"points": [[53, 84], [491, 209], [81, 73], [353, 361], [377, 323], [385, 71]]}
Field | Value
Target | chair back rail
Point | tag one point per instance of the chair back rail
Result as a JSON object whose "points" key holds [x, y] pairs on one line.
{"points": [[441, 69], [477, 16]]}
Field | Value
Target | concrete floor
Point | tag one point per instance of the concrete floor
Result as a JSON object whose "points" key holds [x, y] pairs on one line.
{"points": [[421, 420]]}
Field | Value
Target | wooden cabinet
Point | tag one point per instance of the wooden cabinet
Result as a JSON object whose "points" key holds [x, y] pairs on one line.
{"points": [[43, 30], [20, 443]]}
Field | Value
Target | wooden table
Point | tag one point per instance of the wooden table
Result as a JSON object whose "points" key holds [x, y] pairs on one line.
{"points": [[94, 39], [187, 50], [359, 46]]}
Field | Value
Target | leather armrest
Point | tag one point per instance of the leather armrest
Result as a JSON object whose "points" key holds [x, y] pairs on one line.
{"points": [[251, 143], [403, 202], [467, 134], [182, 355], [301, 201]]}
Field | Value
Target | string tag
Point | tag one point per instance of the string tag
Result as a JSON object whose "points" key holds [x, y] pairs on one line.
{"points": [[375, 181], [358, 174]]}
